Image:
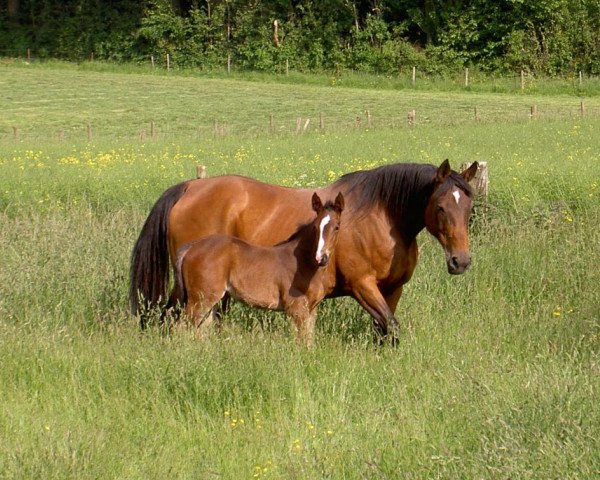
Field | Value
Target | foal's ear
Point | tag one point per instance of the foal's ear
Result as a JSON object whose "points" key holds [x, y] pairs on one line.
{"points": [[339, 202], [316, 203], [442, 172], [470, 172]]}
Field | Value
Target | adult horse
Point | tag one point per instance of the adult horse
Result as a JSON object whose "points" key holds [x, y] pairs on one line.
{"points": [[377, 251]]}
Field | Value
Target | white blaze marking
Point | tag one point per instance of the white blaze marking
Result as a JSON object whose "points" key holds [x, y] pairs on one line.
{"points": [[456, 194], [321, 244]]}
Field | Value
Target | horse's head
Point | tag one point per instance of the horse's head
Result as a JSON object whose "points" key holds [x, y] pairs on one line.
{"points": [[328, 225], [447, 214]]}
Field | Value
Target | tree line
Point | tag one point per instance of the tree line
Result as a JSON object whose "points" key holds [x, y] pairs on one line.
{"points": [[551, 37]]}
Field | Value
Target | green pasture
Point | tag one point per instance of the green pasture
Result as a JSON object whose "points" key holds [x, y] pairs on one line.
{"points": [[497, 371], [45, 103]]}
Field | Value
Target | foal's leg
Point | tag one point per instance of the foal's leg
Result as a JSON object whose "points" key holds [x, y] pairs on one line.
{"points": [[368, 295], [309, 328], [201, 311], [304, 325]]}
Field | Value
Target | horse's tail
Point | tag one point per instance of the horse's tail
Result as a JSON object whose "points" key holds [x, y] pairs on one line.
{"points": [[149, 272]]}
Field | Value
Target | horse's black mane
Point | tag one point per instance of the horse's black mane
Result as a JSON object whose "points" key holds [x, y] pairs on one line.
{"points": [[400, 188]]}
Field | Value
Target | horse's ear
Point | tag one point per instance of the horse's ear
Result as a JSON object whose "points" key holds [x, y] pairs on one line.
{"points": [[443, 171], [339, 202], [470, 172], [316, 203]]}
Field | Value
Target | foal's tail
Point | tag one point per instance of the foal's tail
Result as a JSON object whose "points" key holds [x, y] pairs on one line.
{"points": [[181, 295], [149, 272]]}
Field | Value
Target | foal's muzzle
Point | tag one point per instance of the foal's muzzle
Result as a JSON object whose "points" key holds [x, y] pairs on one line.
{"points": [[323, 261], [458, 263]]}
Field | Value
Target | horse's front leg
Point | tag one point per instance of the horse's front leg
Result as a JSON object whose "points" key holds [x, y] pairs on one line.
{"points": [[393, 297], [370, 298]]}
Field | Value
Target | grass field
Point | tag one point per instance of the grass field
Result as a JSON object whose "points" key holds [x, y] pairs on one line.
{"points": [[43, 102], [497, 373]]}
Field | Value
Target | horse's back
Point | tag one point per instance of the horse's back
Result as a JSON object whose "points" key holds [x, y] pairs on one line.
{"points": [[242, 207]]}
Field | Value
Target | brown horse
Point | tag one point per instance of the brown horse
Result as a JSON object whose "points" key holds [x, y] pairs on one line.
{"points": [[377, 252], [292, 276]]}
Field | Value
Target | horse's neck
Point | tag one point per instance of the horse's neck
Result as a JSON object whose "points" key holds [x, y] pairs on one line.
{"points": [[412, 223], [412, 219]]}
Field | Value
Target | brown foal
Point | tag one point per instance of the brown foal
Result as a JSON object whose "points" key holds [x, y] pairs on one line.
{"points": [[293, 276]]}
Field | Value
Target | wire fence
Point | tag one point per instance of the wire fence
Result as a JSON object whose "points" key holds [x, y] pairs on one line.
{"points": [[320, 123]]}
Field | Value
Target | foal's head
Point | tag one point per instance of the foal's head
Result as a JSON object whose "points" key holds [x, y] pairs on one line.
{"points": [[328, 225], [447, 214]]}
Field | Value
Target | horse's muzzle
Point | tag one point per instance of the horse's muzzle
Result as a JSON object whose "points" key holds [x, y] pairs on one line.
{"points": [[458, 263]]}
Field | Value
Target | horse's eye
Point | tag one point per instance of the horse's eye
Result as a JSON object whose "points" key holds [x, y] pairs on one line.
{"points": [[440, 209]]}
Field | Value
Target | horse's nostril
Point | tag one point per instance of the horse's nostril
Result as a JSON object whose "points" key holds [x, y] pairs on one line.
{"points": [[454, 263]]}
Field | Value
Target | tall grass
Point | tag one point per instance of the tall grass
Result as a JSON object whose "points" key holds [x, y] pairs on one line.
{"points": [[496, 374]]}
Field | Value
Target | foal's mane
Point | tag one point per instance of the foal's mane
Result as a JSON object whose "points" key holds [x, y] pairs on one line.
{"points": [[400, 188], [329, 205]]}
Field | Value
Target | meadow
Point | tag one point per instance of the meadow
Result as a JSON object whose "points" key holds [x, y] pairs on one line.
{"points": [[497, 372]]}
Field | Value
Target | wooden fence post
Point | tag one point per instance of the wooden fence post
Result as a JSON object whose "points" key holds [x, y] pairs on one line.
{"points": [[321, 121], [477, 117], [412, 118], [152, 61], [152, 130], [368, 119], [28, 55], [466, 77], [480, 181], [414, 76], [200, 171], [522, 80], [305, 125], [533, 113], [168, 62]]}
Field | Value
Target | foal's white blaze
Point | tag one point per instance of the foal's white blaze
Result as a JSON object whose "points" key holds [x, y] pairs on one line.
{"points": [[321, 243], [456, 194]]}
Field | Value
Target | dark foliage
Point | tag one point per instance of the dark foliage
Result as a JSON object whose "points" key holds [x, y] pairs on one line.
{"points": [[380, 36]]}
